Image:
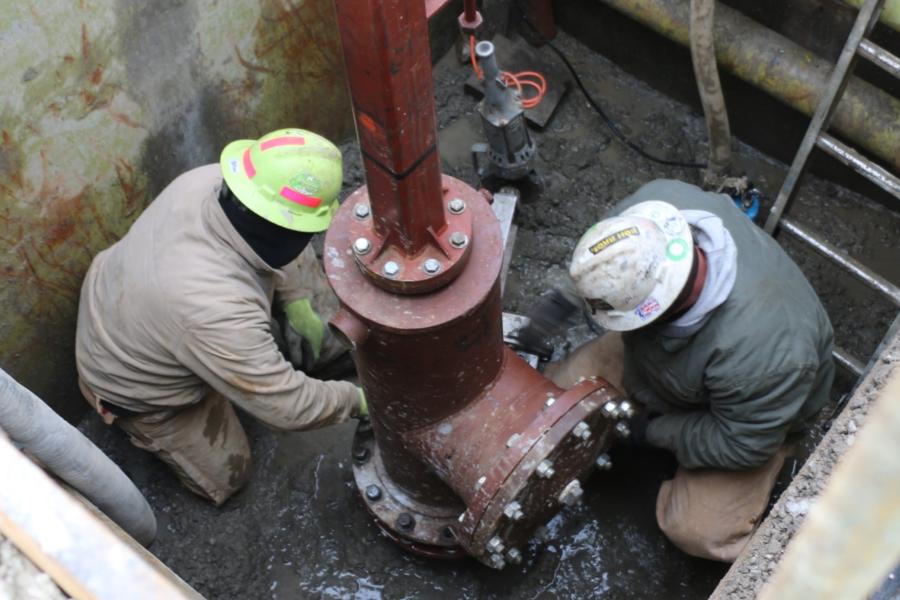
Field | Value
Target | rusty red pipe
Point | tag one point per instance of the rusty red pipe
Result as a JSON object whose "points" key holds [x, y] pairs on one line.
{"points": [[470, 11], [469, 448]]}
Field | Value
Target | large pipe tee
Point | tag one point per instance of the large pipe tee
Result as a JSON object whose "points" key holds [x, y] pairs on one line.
{"points": [[469, 449]]}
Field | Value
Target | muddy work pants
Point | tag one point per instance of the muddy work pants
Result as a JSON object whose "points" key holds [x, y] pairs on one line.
{"points": [[710, 513], [204, 443]]}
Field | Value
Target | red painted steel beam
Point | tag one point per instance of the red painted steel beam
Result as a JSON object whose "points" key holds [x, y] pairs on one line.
{"points": [[388, 60]]}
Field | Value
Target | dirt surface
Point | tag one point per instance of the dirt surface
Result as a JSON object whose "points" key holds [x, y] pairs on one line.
{"points": [[760, 559], [298, 530]]}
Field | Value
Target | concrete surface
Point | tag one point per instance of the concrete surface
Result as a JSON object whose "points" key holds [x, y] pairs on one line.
{"points": [[104, 102], [20, 579]]}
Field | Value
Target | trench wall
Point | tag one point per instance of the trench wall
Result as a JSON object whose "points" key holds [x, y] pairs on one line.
{"points": [[103, 103]]}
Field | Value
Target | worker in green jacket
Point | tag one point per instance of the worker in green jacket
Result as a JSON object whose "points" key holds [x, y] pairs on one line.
{"points": [[719, 336]]}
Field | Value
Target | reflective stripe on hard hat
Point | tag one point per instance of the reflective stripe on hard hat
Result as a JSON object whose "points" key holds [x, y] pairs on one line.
{"points": [[631, 268]]}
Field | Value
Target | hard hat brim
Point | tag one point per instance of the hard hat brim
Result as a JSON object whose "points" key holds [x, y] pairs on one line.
{"points": [[676, 268], [235, 175]]}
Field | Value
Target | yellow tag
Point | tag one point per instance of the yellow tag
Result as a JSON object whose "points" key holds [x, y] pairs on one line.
{"points": [[613, 238]]}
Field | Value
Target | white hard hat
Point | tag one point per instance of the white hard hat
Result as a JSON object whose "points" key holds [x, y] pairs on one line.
{"points": [[631, 268]]}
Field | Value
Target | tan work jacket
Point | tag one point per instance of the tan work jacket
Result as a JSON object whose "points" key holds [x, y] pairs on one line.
{"points": [[181, 304]]}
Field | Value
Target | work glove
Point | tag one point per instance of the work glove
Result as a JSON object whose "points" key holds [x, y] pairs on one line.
{"points": [[638, 426], [363, 405], [306, 323], [552, 313]]}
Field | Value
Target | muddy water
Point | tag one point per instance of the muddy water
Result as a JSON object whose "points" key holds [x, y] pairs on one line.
{"points": [[298, 529]]}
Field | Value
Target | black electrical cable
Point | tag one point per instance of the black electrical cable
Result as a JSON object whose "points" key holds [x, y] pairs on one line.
{"points": [[606, 119]]}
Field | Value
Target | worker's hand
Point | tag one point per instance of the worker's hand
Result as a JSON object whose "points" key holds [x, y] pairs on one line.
{"points": [[363, 405], [638, 426], [304, 320]]}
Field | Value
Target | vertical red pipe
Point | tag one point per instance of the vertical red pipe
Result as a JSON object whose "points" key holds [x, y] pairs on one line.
{"points": [[388, 60], [470, 10]]}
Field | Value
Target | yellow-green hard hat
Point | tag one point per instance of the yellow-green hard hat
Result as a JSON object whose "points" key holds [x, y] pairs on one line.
{"points": [[290, 177]]}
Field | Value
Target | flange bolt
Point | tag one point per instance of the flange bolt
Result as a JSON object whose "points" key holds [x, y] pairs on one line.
{"points": [[360, 454], [513, 511], [362, 246], [495, 545], [626, 409], [603, 462], [582, 431], [514, 556], [373, 493], [456, 206], [622, 429], [497, 561], [431, 266], [458, 239], [406, 522], [611, 410], [361, 211], [391, 268], [545, 469]]}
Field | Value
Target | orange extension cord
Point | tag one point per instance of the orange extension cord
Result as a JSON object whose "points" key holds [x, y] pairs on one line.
{"points": [[522, 79]]}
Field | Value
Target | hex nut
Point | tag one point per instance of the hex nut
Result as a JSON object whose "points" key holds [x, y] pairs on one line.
{"points": [[514, 556], [582, 431], [456, 206], [361, 211], [545, 469], [431, 266], [497, 561], [603, 462], [362, 245], [495, 545], [406, 522], [622, 429], [611, 409], [391, 268], [458, 239], [373, 493], [361, 454], [513, 511], [626, 409]]}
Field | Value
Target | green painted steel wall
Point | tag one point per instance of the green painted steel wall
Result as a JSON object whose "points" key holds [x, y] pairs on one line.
{"points": [[103, 102]]}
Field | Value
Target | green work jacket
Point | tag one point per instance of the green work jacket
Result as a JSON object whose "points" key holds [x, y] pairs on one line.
{"points": [[760, 366]]}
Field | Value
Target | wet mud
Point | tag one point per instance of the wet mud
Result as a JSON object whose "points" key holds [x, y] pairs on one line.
{"points": [[298, 530]]}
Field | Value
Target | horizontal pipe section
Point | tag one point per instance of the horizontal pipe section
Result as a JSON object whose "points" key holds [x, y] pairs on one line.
{"points": [[880, 57], [866, 116], [854, 267], [853, 159], [890, 14]]}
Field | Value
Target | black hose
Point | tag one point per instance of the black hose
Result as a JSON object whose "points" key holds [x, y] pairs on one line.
{"points": [[613, 127]]}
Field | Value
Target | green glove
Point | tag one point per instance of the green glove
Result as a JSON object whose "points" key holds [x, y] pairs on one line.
{"points": [[304, 320], [363, 405]]}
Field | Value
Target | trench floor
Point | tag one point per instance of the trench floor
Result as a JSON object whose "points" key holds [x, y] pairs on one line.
{"points": [[298, 530]]}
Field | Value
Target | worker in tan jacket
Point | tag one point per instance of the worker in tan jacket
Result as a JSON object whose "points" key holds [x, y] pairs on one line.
{"points": [[199, 305]]}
